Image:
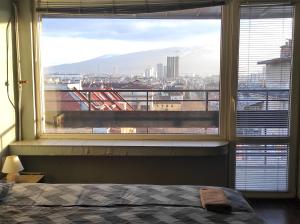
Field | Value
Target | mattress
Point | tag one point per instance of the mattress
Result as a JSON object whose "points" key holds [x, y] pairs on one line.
{"points": [[116, 203]]}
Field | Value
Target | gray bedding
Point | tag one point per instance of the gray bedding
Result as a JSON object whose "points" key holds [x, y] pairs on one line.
{"points": [[116, 203]]}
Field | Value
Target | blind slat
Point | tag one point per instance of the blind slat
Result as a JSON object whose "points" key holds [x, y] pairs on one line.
{"points": [[268, 2], [263, 106], [263, 171], [121, 6], [263, 97]]}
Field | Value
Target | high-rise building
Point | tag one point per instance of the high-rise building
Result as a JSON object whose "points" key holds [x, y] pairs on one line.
{"points": [[160, 71], [165, 71], [149, 72], [172, 67]]}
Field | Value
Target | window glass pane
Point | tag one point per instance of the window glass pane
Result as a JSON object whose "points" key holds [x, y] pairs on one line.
{"points": [[120, 75], [264, 71], [263, 107]]}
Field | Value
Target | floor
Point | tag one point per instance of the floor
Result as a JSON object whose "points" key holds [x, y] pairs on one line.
{"points": [[277, 211]]}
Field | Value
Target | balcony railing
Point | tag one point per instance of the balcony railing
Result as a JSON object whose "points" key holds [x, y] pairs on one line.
{"points": [[126, 108], [164, 108], [204, 96], [263, 109]]}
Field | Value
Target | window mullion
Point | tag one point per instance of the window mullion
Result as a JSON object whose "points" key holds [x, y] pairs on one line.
{"points": [[295, 106], [229, 65]]}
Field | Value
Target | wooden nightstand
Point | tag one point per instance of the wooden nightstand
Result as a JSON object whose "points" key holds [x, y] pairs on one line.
{"points": [[30, 178]]}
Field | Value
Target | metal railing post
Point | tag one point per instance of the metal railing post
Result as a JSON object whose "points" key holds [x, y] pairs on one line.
{"points": [[206, 100], [267, 100], [147, 101], [89, 99]]}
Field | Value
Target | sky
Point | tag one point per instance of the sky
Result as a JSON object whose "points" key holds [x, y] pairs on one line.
{"points": [[66, 40], [260, 40]]}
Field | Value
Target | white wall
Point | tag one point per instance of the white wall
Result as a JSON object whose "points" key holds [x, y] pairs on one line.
{"points": [[7, 113], [277, 75]]}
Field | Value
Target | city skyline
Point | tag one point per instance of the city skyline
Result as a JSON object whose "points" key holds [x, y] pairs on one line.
{"points": [[123, 64]]}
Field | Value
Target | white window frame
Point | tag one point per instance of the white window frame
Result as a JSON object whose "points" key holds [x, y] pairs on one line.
{"points": [[292, 139], [193, 137]]}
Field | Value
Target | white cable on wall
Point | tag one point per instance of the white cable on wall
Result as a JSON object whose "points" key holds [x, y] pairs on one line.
{"points": [[7, 64]]}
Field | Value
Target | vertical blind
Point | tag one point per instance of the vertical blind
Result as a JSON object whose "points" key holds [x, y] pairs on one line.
{"points": [[263, 97], [120, 6], [264, 76]]}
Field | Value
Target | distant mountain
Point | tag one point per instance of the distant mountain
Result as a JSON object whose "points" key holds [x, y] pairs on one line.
{"points": [[191, 61]]}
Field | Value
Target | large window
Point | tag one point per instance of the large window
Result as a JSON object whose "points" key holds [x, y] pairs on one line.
{"points": [[153, 67], [263, 108], [158, 74]]}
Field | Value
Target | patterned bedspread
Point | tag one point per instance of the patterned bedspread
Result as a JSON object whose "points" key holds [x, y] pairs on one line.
{"points": [[116, 203]]}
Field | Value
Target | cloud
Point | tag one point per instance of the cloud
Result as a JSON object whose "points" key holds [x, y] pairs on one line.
{"points": [[74, 40], [127, 29]]}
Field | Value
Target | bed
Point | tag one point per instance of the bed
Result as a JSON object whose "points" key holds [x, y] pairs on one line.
{"points": [[115, 203]]}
